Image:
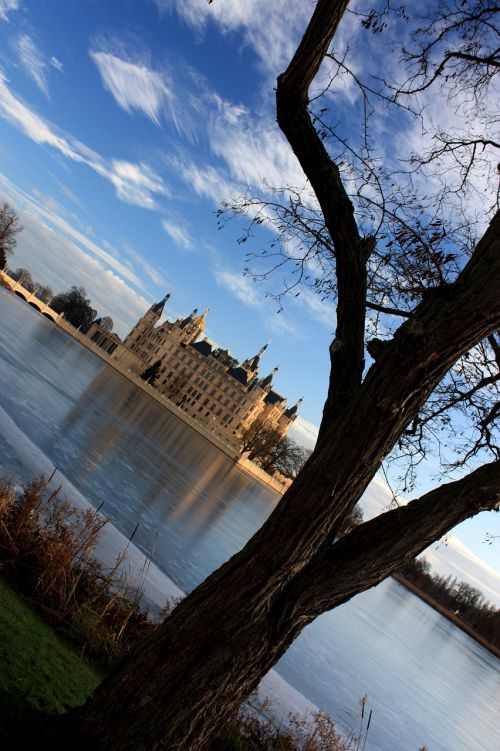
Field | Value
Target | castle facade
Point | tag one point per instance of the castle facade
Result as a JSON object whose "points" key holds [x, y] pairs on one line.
{"points": [[223, 395]]}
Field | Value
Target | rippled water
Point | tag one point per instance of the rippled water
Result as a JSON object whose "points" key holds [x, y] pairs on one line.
{"points": [[427, 682]]}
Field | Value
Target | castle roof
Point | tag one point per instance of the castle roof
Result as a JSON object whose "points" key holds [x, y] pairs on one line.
{"points": [[274, 398], [157, 307], [240, 374], [188, 319], [292, 411], [268, 379], [203, 347]]}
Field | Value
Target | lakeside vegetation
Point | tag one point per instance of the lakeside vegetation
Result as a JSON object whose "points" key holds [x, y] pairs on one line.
{"points": [[64, 620], [463, 604]]}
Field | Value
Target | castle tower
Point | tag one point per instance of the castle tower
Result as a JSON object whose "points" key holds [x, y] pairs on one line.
{"points": [[193, 326], [267, 381], [291, 413], [147, 321], [251, 365]]}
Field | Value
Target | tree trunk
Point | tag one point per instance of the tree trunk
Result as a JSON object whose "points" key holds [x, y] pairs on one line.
{"points": [[183, 683]]}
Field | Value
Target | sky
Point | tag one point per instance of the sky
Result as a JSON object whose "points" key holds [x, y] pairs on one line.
{"points": [[124, 125]]}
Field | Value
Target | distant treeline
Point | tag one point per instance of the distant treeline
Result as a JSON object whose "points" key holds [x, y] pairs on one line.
{"points": [[459, 597]]}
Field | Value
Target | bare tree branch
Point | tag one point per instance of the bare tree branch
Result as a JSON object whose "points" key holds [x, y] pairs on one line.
{"points": [[392, 538], [351, 252]]}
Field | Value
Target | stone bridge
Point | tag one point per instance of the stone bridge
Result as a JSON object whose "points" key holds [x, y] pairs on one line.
{"points": [[29, 297]]}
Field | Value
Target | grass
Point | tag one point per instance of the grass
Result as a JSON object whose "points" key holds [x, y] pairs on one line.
{"points": [[39, 672]]}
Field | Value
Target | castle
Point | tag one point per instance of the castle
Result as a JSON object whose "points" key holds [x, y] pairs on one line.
{"points": [[225, 396]]}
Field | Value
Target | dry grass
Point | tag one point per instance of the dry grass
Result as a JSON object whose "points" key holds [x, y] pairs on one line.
{"points": [[256, 729], [46, 549]]}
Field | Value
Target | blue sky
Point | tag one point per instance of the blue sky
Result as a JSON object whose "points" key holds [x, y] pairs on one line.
{"points": [[124, 124]]}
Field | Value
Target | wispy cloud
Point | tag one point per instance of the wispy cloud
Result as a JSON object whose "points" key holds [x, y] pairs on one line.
{"points": [[178, 234], [304, 432], [56, 254], [33, 61], [134, 86], [46, 211], [156, 93], [240, 286], [271, 29], [253, 148], [6, 7], [250, 294], [152, 272], [57, 64], [206, 180], [322, 311], [134, 183]]}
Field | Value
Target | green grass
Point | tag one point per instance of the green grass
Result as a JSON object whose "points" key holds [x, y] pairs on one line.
{"points": [[38, 671]]}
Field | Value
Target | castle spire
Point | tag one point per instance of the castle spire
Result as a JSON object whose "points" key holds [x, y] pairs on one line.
{"points": [[157, 307], [252, 363], [291, 413], [269, 379]]}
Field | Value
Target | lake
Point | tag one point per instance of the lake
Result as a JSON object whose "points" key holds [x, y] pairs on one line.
{"points": [[427, 682]]}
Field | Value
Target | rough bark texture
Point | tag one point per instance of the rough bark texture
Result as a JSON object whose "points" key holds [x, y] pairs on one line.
{"points": [[180, 686]]}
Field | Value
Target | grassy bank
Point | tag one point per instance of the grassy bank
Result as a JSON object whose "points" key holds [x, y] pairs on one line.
{"points": [[39, 672]]}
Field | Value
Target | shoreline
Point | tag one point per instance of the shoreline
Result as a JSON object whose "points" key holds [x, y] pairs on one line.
{"points": [[243, 464], [435, 605]]}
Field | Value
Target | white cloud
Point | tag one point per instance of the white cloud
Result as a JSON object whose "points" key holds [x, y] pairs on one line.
{"points": [[133, 85], [6, 7], [271, 29], [46, 212], [240, 286], [304, 433], [136, 184], [57, 64], [18, 114], [178, 234], [151, 271], [207, 181], [254, 150], [321, 310], [33, 61]]}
